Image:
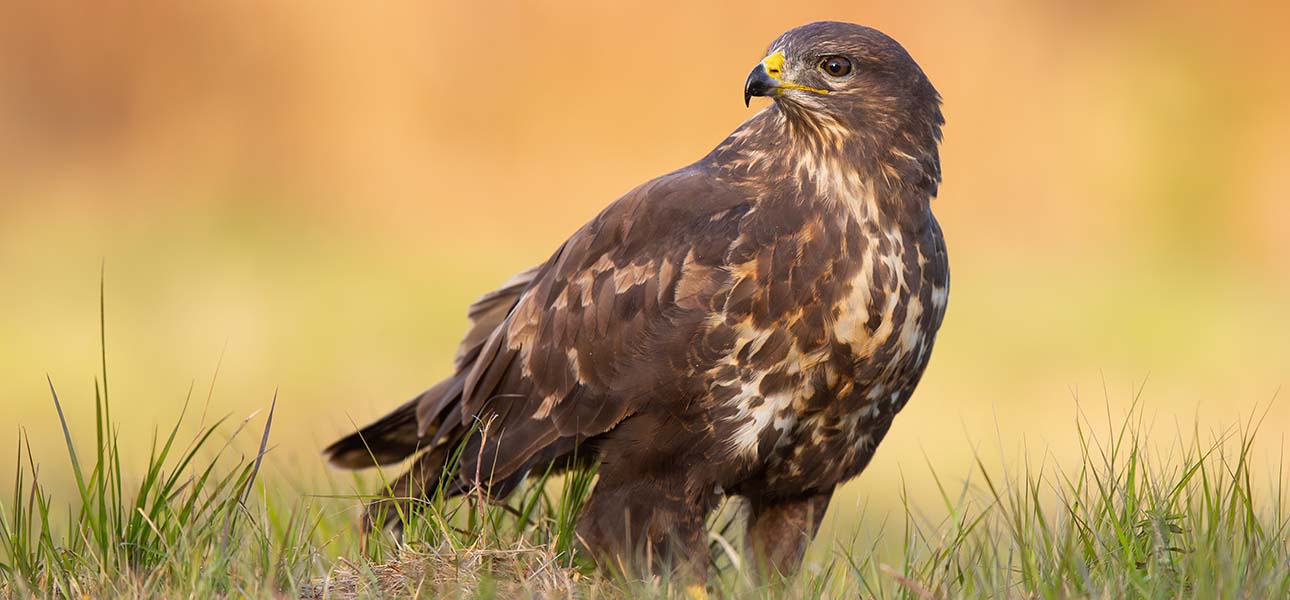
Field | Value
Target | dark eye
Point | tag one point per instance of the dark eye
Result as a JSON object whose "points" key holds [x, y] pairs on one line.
{"points": [[836, 66]]}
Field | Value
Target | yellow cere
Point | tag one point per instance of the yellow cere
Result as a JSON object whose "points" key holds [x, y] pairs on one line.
{"points": [[774, 65], [775, 68]]}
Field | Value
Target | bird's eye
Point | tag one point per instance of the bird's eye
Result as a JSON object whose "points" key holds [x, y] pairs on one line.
{"points": [[836, 66]]}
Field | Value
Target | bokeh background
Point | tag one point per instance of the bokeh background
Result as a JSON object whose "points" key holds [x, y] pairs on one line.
{"points": [[314, 191]]}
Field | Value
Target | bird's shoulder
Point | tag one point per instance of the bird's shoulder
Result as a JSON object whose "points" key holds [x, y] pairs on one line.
{"points": [[612, 312]]}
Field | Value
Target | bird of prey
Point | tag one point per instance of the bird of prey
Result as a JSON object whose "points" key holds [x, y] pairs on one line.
{"points": [[746, 326]]}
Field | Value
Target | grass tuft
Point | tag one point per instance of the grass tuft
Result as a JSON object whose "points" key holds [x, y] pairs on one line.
{"points": [[1133, 518]]}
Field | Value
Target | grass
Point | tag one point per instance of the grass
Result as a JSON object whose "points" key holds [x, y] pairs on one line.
{"points": [[1136, 518]]}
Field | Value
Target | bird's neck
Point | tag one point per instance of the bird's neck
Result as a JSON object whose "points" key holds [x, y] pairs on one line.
{"points": [[878, 174]]}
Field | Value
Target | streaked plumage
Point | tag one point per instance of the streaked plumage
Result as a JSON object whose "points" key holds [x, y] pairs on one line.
{"points": [[748, 325]]}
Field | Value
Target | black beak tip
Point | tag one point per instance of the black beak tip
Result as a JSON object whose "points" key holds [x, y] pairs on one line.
{"points": [[759, 83]]}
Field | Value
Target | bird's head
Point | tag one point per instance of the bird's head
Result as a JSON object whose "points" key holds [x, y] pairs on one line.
{"points": [[845, 75]]}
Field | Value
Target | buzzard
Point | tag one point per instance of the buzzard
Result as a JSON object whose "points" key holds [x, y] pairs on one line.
{"points": [[746, 326]]}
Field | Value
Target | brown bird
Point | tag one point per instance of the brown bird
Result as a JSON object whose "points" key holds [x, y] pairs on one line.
{"points": [[747, 326]]}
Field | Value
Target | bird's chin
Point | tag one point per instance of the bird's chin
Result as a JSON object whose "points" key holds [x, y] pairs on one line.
{"points": [[798, 99]]}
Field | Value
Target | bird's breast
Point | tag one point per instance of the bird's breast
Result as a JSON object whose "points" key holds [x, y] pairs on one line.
{"points": [[816, 410]]}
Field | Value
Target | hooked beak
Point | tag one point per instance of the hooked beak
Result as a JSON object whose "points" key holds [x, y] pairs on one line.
{"points": [[759, 83], [767, 79]]}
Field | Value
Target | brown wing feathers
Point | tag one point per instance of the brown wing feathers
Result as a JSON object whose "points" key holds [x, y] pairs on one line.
{"points": [[487, 313], [402, 433], [580, 352], [567, 351]]}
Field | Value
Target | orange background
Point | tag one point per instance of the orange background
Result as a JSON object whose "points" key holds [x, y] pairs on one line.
{"points": [[315, 190]]}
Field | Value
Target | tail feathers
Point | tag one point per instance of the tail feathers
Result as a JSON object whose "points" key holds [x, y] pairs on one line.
{"points": [[432, 422], [389, 440], [401, 433]]}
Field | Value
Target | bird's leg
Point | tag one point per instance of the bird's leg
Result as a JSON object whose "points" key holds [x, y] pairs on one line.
{"points": [[780, 530], [640, 524]]}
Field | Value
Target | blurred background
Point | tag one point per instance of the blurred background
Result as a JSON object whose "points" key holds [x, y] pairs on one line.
{"points": [[315, 191]]}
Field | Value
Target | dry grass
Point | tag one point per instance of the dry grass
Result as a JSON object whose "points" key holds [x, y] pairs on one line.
{"points": [[517, 572]]}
